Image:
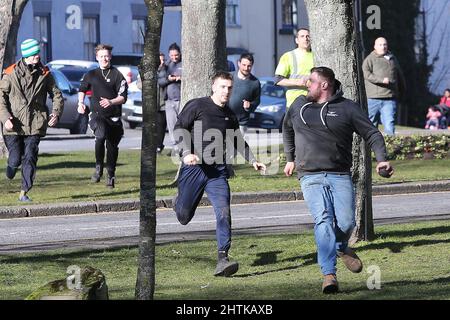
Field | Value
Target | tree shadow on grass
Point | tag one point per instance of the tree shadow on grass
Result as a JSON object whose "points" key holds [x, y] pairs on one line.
{"points": [[63, 257], [52, 155], [308, 259], [266, 258], [397, 247], [407, 294], [70, 165], [411, 233]]}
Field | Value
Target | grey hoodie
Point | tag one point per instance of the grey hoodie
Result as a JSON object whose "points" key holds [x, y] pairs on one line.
{"points": [[319, 136]]}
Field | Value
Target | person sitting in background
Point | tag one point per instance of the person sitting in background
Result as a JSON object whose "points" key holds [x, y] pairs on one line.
{"points": [[433, 116], [444, 108], [445, 100]]}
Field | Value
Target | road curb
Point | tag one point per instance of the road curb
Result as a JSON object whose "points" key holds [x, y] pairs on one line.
{"points": [[105, 206]]}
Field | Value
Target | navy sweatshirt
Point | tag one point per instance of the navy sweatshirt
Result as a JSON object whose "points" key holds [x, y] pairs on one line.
{"points": [[319, 136]]}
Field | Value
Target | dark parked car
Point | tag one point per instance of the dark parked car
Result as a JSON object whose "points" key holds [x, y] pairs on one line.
{"points": [[70, 119], [74, 74], [270, 112]]}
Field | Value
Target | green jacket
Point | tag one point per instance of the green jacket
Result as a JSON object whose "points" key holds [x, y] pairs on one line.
{"points": [[23, 95], [375, 69]]}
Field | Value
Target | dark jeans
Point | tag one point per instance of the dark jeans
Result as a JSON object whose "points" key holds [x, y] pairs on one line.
{"points": [[109, 132], [161, 125], [192, 182], [23, 150]]}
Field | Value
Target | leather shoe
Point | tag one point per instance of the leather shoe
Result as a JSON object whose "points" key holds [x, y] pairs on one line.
{"points": [[350, 260], [330, 284]]}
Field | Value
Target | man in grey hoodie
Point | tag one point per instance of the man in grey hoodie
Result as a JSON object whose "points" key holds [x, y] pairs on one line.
{"points": [[384, 83], [317, 134]]}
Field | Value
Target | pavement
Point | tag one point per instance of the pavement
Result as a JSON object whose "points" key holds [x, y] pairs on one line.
{"points": [[105, 206], [102, 206]]}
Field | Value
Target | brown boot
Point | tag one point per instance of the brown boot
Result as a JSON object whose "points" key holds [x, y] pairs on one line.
{"points": [[351, 260], [330, 284]]}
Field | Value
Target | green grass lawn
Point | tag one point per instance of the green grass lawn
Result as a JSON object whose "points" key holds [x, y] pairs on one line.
{"points": [[65, 177], [413, 260]]}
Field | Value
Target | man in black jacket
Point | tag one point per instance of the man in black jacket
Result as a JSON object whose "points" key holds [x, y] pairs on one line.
{"points": [[208, 128], [109, 92], [318, 133]]}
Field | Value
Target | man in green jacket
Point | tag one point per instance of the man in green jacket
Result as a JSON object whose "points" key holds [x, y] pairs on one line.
{"points": [[385, 85], [24, 114]]}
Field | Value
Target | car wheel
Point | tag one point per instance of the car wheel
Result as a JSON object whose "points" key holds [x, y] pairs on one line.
{"points": [[81, 125], [133, 125], [130, 124]]}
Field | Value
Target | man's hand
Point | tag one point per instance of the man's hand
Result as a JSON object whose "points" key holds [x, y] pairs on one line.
{"points": [[386, 80], [191, 159], [9, 125], [259, 167], [105, 103], [385, 165], [246, 104], [289, 168], [53, 120], [81, 108]]}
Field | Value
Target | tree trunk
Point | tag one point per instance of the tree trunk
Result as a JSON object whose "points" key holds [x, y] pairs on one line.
{"points": [[10, 15], [145, 283], [203, 46], [339, 51]]}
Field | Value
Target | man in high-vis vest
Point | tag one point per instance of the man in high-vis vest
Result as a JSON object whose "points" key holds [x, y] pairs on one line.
{"points": [[294, 67]]}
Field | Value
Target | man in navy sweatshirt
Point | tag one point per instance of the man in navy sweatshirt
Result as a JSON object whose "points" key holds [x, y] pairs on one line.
{"points": [[318, 133], [246, 91]]}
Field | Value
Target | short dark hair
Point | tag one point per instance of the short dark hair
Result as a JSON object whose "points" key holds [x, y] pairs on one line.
{"points": [[448, 89], [300, 29], [325, 73], [103, 47], [222, 75], [174, 46], [247, 56]]}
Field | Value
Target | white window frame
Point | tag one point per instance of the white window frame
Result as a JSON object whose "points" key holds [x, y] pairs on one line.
{"points": [[234, 7]]}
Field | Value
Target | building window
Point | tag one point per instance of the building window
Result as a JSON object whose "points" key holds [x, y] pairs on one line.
{"points": [[138, 31], [289, 14], [91, 32], [43, 34], [232, 13]]}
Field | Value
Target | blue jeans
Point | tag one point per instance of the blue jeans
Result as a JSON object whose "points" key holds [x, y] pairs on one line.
{"points": [[330, 200], [385, 110], [192, 182]]}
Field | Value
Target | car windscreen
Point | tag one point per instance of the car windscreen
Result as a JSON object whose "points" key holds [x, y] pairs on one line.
{"points": [[272, 90], [126, 60]]}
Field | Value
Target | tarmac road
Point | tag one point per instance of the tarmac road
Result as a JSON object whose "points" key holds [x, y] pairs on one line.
{"points": [[121, 229]]}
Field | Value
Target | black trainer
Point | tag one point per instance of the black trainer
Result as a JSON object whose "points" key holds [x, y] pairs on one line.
{"points": [[97, 174], [110, 181], [10, 172], [225, 267]]}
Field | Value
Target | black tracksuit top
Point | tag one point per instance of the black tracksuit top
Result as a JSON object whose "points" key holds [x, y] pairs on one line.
{"points": [[319, 136], [204, 114]]}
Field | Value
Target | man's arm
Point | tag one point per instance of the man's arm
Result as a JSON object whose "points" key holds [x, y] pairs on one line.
{"points": [[162, 76], [289, 143], [182, 131], [256, 97], [56, 95], [368, 72], [297, 83], [5, 88]]}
